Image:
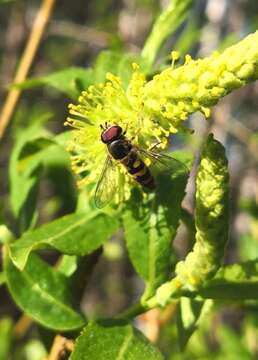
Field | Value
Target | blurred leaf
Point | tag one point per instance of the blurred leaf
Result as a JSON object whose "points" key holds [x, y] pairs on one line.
{"points": [[6, 336], [73, 80], [187, 40], [2, 278], [165, 25], [57, 165], [70, 81], [188, 315], [113, 342], [74, 234], [25, 168], [6, 236], [34, 350], [34, 152], [150, 227], [248, 247], [117, 63], [67, 265], [43, 293], [232, 346], [238, 282], [250, 206], [228, 40]]}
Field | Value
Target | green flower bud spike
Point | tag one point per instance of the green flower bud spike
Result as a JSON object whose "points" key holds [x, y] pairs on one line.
{"points": [[211, 218], [211, 221]]}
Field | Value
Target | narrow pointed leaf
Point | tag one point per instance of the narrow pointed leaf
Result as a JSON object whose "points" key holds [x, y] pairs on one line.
{"points": [[233, 282], [69, 81], [74, 234], [166, 24]]}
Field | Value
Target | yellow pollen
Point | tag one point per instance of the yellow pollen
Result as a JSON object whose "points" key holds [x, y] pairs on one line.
{"points": [[136, 163]]}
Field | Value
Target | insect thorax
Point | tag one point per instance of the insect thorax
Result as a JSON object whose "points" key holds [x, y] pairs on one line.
{"points": [[119, 149]]}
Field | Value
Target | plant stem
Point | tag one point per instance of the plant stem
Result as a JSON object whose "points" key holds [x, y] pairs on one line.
{"points": [[133, 311], [60, 345], [22, 326], [37, 31]]}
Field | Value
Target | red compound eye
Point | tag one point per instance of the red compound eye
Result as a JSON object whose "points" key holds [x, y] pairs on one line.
{"points": [[111, 134]]}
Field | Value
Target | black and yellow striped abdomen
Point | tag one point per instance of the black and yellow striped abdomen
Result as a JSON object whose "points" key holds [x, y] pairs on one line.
{"points": [[137, 168], [123, 151]]}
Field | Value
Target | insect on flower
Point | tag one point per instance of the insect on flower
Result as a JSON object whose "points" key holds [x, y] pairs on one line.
{"points": [[122, 150]]}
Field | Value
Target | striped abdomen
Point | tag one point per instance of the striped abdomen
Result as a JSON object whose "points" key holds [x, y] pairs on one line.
{"points": [[138, 169]]}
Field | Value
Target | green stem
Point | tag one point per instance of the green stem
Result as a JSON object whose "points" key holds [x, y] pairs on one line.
{"points": [[164, 295], [133, 311], [165, 25]]}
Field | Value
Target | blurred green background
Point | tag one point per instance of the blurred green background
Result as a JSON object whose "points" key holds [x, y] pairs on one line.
{"points": [[76, 34]]}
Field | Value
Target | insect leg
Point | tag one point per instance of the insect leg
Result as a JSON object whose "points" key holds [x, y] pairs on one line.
{"points": [[154, 146]]}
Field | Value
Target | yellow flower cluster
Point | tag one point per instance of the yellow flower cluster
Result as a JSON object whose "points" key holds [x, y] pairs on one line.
{"points": [[151, 111], [199, 84], [106, 103]]}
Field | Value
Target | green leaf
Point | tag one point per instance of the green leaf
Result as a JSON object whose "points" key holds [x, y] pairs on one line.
{"points": [[233, 282], [166, 24], [117, 63], [248, 247], [43, 293], [73, 234], [2, 278], [32, 154], [232, 344], [188, 39], [68, 265], [6, 336], [25, 168], [6, 236], [73, 80], [189, 313], [150, 227], [70, 81], [113, 342]]}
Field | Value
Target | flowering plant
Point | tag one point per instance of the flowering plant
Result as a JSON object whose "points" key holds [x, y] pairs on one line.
{"points": [[147, 104], [152, 110]]}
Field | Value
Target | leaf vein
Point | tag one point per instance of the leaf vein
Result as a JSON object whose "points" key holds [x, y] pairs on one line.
{"points": [[125, 345]]}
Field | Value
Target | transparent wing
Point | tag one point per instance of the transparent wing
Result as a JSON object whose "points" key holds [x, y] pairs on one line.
{"points": [[162, 162], [107, 184]]}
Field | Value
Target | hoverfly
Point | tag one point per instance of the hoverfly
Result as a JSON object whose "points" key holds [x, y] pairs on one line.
{"points": [[121, 150]]}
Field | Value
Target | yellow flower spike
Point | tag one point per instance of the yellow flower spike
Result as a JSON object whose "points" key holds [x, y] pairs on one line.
{"points": [[151, 111]]}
